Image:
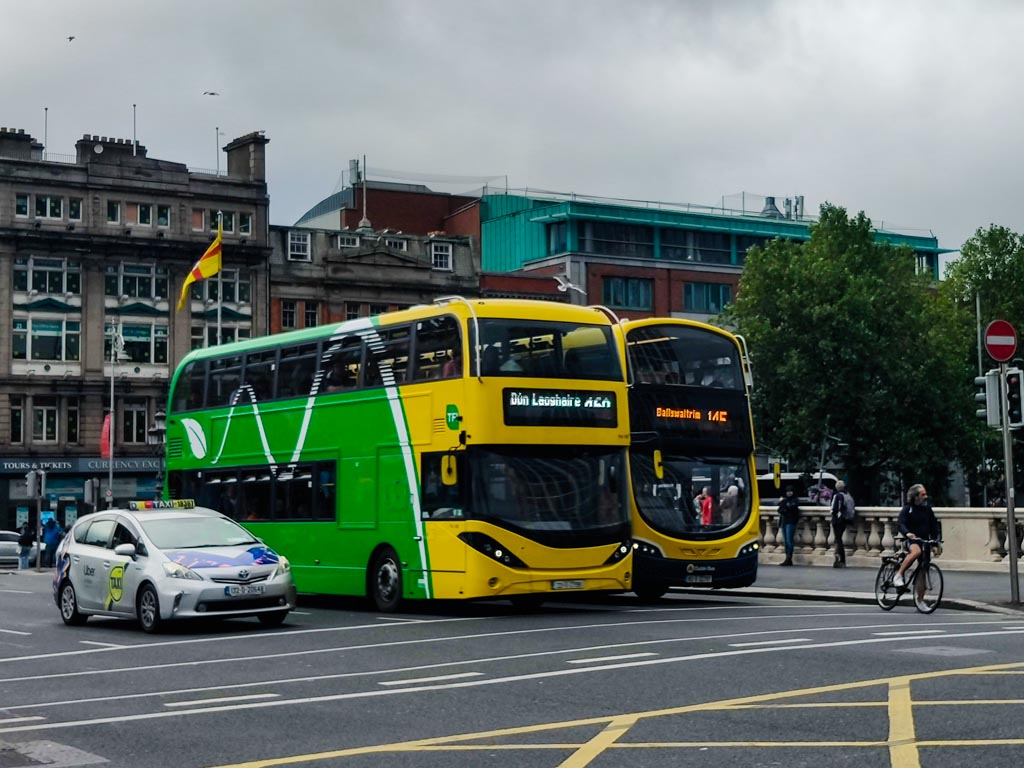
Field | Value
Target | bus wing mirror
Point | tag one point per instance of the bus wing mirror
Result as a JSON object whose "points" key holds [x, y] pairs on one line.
{"points": [[449, 470], [659, 468]]}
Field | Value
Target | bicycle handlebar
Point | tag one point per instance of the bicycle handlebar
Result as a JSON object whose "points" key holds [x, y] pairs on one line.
{"points": [[929, 542]]}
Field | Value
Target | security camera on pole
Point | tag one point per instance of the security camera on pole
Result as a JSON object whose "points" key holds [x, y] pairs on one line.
{"points": [[1001, 344]]}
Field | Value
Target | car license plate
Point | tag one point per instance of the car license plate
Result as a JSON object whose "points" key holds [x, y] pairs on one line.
{"points": [[239, 590], [570, 584], [698, 579]]}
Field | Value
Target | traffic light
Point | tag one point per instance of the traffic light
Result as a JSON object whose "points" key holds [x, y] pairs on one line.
{"points": [[1014, 397], [989, 395]]}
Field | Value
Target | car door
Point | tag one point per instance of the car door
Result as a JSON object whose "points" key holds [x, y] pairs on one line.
{"points": [[87, 559], [123, 573]]}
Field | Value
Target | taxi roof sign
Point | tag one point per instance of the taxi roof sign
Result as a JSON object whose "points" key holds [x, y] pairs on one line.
{"points": [[136, 506]]}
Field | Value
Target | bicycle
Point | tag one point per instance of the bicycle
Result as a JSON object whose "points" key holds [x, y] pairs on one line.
{"points": [[924, 577]]}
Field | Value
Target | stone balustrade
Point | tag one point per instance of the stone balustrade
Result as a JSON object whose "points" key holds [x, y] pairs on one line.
{"points": [[974, 538]]}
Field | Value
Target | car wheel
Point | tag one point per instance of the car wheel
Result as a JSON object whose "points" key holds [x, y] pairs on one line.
{"points": [[69, 605], [147, 607], [386, 581], [274, 619]]}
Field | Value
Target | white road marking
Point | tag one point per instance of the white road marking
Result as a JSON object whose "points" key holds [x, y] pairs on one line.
{"points": [[398, 620], [301, 613], [14, 632], [222, 700], [374, 693], [7, 721], [102, 645], [771, 642], [914, 632], [16, 591], [600, 659], [438, 678]]}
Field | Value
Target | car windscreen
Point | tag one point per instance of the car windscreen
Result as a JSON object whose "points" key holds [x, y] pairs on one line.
{"points": [[194, 532], [7, 536]]}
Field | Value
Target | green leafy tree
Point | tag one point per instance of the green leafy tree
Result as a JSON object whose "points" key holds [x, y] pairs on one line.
{"points": [[848, 340]]}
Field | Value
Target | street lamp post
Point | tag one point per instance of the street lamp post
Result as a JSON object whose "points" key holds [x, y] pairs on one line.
{"points": [[116, 354], [155, 436]]}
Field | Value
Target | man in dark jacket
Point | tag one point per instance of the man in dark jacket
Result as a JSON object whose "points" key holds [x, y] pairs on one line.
{"points": [[789, 513], [916, 521], [839, 522]]}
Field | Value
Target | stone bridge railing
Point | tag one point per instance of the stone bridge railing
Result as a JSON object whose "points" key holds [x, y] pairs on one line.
{"points": [[974, 537]]}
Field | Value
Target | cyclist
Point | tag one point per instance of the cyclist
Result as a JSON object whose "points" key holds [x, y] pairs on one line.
{"points": [[916, 521]]}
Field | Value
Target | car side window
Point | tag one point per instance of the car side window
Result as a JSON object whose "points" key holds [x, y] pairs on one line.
{"points": [[81, 533], [122, 535], [99, 533]]}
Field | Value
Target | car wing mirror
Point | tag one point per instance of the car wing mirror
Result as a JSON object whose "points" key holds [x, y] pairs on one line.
{"points": [[125, 550]]}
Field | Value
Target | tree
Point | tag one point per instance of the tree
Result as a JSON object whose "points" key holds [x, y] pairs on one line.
{"points": [[843, 332]]}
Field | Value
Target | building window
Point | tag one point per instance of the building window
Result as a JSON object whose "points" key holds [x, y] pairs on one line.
{"points": [[707, 298], [351, 310], [227, 219], [139, 281], [298, 246], [52, 276], [143, 342], [628, 293], [557, 238], [245, 223], [35, 338], [21, 205], [441, 256], [198, 220], [396, 243], [206, 335], [145, 215], [75, 209], [17, 419], [348, 241], [237, 284], [113, 212], [163, 215], [311, 312], [71, 423], [378, 309], [44, 419], [49, 207], [614, 239], [287, 313], [133, 421]]}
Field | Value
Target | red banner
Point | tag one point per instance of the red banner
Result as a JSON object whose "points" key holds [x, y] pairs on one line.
{"points": [[105, 438]]}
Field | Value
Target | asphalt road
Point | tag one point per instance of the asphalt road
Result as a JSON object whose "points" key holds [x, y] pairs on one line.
{"points": [[691, 680]]}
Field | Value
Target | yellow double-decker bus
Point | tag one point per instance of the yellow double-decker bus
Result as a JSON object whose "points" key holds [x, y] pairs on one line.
{"points": [[694, 491], [468, 449]]}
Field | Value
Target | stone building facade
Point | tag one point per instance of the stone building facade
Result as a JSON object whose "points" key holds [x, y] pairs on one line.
{"points": [[94, 248]]}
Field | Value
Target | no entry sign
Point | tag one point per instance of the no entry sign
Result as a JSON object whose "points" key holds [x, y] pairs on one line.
{"points": [[1000, 340]]}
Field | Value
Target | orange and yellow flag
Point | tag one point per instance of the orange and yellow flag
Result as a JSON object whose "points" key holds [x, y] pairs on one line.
{"points": [[208, 265]]}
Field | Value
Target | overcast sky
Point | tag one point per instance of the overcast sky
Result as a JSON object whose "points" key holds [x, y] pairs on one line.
{"points": [[909, 111]]}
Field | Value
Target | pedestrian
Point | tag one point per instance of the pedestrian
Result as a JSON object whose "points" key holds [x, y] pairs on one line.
{"points": [[916, 521], [25, 542], [841, 501], [708, 507], [789, 513], [730, 504], [52, 534], [698, 501]]}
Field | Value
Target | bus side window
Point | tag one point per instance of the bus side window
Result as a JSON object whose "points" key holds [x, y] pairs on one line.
{"points": [[259, 373], [341, 364], [225, 378], [438, 349], [392, 353], [438, 500], [188, 393], [296, 369]]}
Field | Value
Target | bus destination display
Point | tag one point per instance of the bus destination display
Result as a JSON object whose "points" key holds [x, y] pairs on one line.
{"points": [[559, 408], [693, 415]]}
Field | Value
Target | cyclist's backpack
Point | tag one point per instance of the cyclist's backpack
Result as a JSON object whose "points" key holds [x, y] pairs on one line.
{"points": [[849, 510]]}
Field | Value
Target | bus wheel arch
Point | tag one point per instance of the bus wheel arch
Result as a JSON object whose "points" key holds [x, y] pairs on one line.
{"points": [[384, 579]]}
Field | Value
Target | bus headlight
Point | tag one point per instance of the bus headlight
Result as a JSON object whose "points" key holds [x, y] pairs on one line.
{"points": [[749, 549], [179, 571], [646, 550], [620, 552], [488, 546]]}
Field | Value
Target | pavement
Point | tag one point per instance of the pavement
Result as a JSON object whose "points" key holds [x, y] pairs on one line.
{"points": [[964, 590]]}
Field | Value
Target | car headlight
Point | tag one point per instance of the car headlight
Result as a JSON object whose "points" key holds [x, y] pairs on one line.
{"points": [[283, 566], [179, 571]]}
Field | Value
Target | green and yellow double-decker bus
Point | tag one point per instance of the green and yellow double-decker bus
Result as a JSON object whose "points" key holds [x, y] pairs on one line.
{"points": [[694, 489], [467, 449]]}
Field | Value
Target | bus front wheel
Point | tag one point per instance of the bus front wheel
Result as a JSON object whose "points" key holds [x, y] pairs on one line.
{"points": [[386, 581], [650, 591]]}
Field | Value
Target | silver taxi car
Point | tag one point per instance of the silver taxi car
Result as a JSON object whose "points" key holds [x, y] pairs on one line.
{"points": [[162, 560]]}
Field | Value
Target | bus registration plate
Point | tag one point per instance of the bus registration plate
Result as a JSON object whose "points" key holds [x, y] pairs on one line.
{"points": [[238, 590], [699, 579], [567, 584]]}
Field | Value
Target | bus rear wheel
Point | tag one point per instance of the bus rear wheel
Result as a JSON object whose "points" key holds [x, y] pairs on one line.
{"points": [[386, 581], [651, 590]]}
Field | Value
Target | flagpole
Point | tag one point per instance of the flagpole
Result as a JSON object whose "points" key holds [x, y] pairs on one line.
{"points": [[220, 286]]}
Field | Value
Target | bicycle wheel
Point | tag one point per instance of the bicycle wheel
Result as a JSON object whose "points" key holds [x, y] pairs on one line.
{"points": [[886, 594], [928, 588]]}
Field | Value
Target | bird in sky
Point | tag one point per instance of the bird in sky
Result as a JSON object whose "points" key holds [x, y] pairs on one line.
{"points": [[70, 38], [210, 93], [565, 284]]}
